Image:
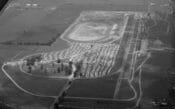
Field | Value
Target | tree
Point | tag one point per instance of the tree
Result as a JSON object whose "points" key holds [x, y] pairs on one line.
{"points": [[58, 60], [29, 69]]}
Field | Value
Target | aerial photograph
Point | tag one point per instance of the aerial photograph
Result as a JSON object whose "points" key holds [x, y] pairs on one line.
{"points": [[87, 54]]}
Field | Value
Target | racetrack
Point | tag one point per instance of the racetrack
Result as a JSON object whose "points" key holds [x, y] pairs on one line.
{"points": [[38, 86]]}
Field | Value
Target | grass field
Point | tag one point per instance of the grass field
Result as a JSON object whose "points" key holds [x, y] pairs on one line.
{"points": [[36, 85], [94, 88], [156, 81], [15, 98]]}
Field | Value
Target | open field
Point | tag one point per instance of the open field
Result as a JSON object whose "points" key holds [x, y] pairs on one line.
{"points": [[46, 22], [156, 81], [15, 98], [93, 88], [36, 85], [97, 26]]}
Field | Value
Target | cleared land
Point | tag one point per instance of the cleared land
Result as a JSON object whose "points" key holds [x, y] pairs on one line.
{"points": [[97, 26]]}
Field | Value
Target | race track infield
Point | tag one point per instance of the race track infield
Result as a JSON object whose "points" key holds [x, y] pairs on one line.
{"points": [[35, 85]]}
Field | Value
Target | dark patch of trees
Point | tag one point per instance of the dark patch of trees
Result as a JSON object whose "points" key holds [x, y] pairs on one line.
{"points": [[31, 61], [78, 69], [4, 106], [3, 3], [16, 42]]}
